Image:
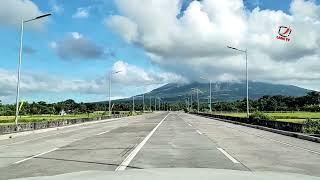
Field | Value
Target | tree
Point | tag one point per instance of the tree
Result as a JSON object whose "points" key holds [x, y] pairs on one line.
{"points": [[83, 108]]}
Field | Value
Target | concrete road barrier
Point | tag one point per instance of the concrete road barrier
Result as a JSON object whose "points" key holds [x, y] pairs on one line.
{"points": [[284, 128], [12, 128]]}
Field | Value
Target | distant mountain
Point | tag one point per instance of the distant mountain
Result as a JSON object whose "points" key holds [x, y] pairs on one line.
{"points": [[226, 91]]}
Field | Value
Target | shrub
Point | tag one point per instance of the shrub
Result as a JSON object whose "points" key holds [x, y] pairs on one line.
{"points": [[311, 108], [261, 116], [311, 126], [9, 113]]}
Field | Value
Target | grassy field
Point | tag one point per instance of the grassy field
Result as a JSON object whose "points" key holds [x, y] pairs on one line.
{"points": [[46, 117], [297, 117]]}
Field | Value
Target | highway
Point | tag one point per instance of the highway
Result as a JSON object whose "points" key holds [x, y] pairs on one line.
{"points": [[156, 140]]}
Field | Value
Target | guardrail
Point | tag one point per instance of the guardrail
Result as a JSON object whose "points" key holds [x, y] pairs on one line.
{"points": [[285, 126]]}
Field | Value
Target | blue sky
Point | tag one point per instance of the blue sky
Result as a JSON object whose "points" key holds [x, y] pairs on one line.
{"points": [[44, 61], [41, 58]]}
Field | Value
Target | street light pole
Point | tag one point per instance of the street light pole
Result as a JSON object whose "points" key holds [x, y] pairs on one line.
{"points": [[247, 79], [187, 103], [210, 97], [150, 103], [132, 104], [247, 75], [19, 64], [110, 79], [196, 89], [110, 93], [210, 93], [143, 102], [198, 100], [19, 73], [191, 103]]}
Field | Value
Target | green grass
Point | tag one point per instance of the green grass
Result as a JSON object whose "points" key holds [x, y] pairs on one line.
{"points": [[46, 117], [297, 117]]}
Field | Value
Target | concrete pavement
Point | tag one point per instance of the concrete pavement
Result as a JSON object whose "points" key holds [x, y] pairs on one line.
{"points": [[176, 144], [260, 150], [158, 140]]}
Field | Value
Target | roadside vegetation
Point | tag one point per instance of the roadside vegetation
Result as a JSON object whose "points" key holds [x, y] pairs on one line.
{"points": [[69, 109], [46, 117], [296, 117], [312, 126], [307, 103], [279, 108], [262, 116]]}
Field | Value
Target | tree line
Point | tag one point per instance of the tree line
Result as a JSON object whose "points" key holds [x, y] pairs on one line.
{"points": [[309, 102], [69, 106]]}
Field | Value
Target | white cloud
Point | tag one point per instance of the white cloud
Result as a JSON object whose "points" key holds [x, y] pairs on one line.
{"points": [[136, 76], [53, 45], [195, 44], [132, 80], [76, 46], [76, 35], [305, 9], [81, 13], [124, 27], [35, 83], [57, 9], [13, 11]]}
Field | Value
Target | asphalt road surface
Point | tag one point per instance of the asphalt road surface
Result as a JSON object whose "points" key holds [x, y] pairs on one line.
{"points": [[157, 140]]}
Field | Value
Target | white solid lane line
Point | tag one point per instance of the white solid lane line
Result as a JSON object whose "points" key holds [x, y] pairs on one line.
{"points": [[23, 160], [190, 125], [20, 142], [274, 140], [39, 131], [58, 133], [41, 137], [102, 133], [133, 153], [199, 132], [228, 155]]}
